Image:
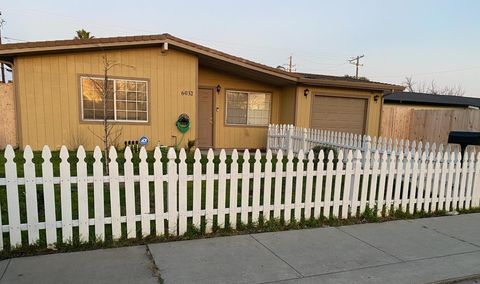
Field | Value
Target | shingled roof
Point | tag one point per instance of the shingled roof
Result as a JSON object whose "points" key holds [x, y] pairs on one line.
{"points": [[431, 99], [71, 45]]}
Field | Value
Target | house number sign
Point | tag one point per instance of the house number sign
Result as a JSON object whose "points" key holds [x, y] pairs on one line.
{"points": [[187, 93]]}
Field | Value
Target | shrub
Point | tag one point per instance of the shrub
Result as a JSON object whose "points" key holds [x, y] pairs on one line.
{"points": [[326, 149]]}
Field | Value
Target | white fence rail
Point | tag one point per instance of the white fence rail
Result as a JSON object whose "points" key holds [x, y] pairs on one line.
{"points": [[159, 197]]}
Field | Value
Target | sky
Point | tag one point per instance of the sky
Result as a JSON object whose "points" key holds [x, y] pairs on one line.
{"points": [[423, 39]]}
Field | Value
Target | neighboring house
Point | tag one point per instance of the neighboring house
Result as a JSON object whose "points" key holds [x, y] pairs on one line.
{"points": [[230, 100], [428, 117]]}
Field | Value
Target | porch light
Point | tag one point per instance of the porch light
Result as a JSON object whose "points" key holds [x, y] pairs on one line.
{"points": [[306, 92], [219, 88], [375, 98]]}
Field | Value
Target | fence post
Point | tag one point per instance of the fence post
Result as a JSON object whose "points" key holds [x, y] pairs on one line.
{"points": [[304, 140], [289, 138], [269, 136], [367, 148]]}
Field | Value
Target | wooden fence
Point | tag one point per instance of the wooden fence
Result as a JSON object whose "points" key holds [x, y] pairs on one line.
{"points": [[150, 196], [8, 123], [424, 124]]}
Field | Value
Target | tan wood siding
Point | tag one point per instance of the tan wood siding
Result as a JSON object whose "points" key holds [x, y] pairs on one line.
{"points": [[228, 136], [49, 98], [339, 114]]}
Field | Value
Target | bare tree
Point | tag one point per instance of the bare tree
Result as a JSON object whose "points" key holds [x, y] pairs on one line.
{"points": [[110, 133], [432, 88]]}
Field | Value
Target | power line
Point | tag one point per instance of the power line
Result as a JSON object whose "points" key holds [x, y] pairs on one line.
{"points": [[431, 73]]}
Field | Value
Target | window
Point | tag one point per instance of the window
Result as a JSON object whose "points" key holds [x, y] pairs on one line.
{"points": [[248, 108], [127, 100]]}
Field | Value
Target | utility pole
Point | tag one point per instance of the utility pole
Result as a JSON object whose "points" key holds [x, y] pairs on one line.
{"points": [[356, 61], [290, 66], [2, 22]]}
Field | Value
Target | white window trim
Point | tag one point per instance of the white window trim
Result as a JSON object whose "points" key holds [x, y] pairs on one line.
{"points": [[248, 109], [114, 100]]}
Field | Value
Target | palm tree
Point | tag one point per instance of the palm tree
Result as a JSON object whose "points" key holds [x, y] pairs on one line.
{"points": [[83, 34]]}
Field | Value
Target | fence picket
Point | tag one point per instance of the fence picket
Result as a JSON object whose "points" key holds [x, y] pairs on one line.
{"points": [[308, 187], [398, 180], [373, 185], [197, 189], [98, 201], [172, 192], [406, 180], [159, 192], [428, 183], [347, 187], [356, 182], [233, 190], [381, 187], [267, 186], [436, 180], [421, 183], [209, 192], [129, 194], [463, 181], [456, 181], [413, 185], [449, 185], [365, 181], [476, 183], [299, 185], [49, 197], [245, 187], [277, 198], [82, 194], [471, 172], [443, 182], [257, 168], [114, 194], [65, 196], [288, 188], [389, 190], [31, 196], [328, 183], [222, 182], [319, 174], [12, 198], [182, 193]]}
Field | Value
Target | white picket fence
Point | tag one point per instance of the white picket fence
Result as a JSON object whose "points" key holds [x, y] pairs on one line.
{"points": [[313, 187], [289, 137]]}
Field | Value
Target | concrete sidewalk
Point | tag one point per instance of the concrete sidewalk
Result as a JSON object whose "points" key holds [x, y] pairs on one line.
{"points": [[413, 251]]}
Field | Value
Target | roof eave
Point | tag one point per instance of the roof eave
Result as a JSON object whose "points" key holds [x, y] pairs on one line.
{"points": [[77, 47], [351, 85]]}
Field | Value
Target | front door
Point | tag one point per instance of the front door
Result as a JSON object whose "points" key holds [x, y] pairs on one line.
{"points": [[205, 118]]}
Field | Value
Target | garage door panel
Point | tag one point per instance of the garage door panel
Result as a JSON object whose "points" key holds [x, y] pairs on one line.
{"points": [[339, 114]]}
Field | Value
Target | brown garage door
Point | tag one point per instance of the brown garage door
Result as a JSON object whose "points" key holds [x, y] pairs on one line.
{"points": [[339, 114]]}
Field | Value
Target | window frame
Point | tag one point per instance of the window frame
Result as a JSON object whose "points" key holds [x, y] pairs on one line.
{"points": [[248, 94], [114, 79]]}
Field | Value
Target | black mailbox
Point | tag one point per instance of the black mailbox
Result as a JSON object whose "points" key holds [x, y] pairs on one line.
{"points": [[464, 138]]}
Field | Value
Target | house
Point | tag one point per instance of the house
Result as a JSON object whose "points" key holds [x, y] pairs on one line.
{"points": [[155, 79], [428, 117]]}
